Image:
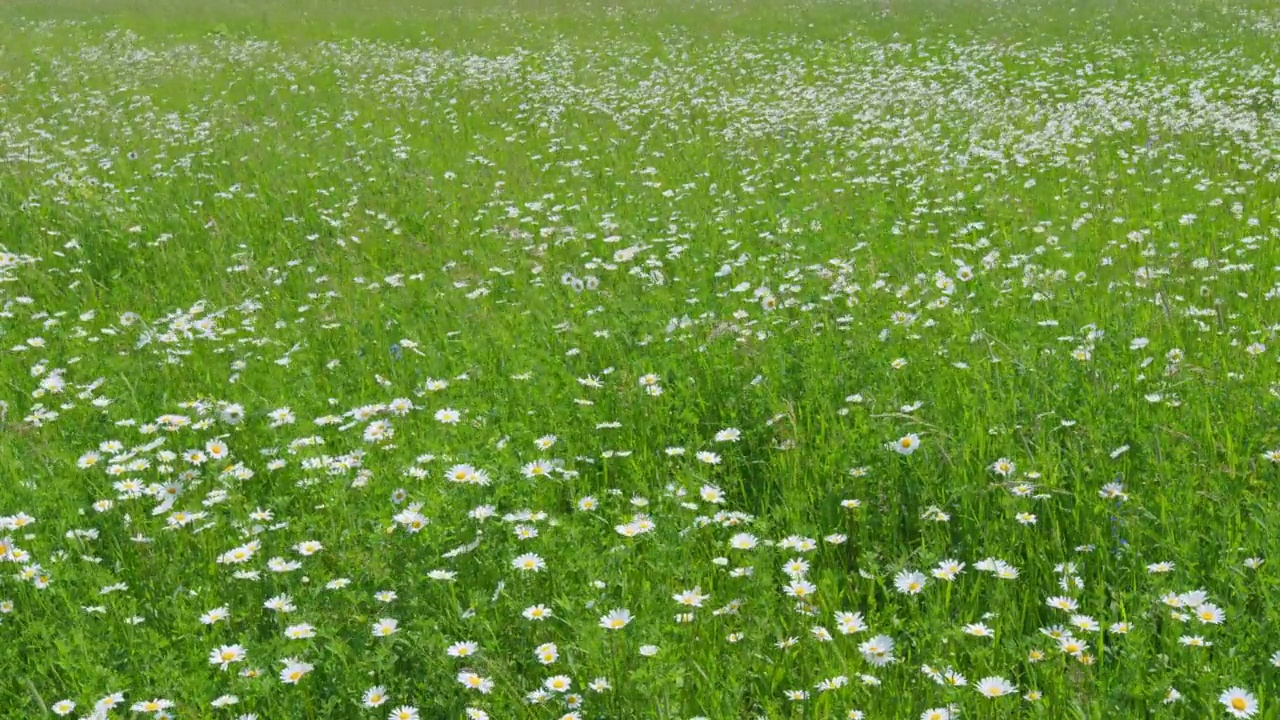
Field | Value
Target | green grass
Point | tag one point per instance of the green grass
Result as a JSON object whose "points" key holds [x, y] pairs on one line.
{"points": [[1043, 234]]}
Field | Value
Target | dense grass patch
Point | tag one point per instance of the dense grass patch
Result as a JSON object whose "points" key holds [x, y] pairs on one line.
{"points": [[652, 360]]}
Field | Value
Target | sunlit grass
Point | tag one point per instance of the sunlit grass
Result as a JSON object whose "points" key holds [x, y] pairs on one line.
{"points": [[872, 358]]}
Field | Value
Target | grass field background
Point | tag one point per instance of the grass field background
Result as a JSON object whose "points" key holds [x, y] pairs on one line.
{"points": [[885, 360]]}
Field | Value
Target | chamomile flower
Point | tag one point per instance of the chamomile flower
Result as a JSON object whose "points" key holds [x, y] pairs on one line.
{"points": [[225, 655], [529, 562], [462, 649], [473, 681], [374, 697], [994, 687], [616, 619], [728, 435], [294, 671], [909, 582], [536, 612], [906, 444], [1238, 702]]}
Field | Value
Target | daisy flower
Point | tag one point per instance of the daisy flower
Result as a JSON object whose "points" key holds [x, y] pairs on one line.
{"points": [[1238, 702], [994, 687], [616, 619], [906, 444]]}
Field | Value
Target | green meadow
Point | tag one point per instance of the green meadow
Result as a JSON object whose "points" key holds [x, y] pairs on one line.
{"points": [[705, 360]]}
